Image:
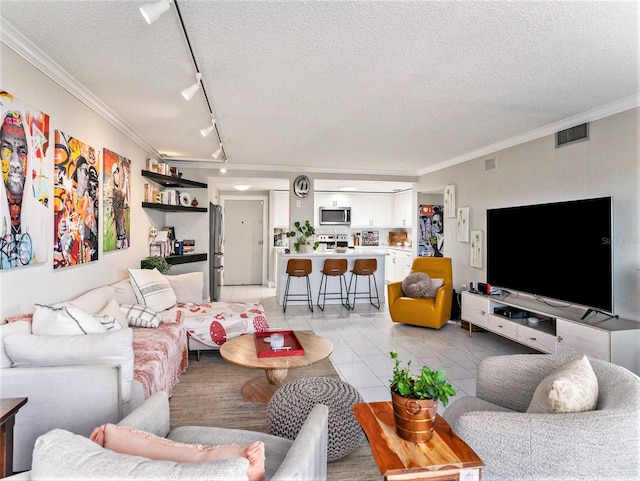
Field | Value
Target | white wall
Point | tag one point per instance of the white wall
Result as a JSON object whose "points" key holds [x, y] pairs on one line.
{"points": [[20, 288], [608, 164]]}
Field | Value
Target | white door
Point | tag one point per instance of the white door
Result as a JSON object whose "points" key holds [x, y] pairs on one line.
{"points": [[243, 242]]}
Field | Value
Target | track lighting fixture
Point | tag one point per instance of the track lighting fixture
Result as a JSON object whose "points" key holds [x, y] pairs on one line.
{"points": [[189, 92], [223, 169], [207, 130], [216, 154], [153, 11]]}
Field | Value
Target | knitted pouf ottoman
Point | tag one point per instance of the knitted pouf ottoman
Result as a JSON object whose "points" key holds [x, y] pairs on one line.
{"points": [[292, 403]]}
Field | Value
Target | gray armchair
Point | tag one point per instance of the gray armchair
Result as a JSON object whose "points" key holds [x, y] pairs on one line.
{"points": [[61, 455], [598, 445]]}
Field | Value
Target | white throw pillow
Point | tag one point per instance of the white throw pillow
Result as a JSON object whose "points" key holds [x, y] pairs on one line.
{"points": [[63, 321], [571, 388], [436, 284], [113, 309], [152, 289], [140, 316], [109, 348], [187, 287], [124, 292], [16, 327], [109, 323]]}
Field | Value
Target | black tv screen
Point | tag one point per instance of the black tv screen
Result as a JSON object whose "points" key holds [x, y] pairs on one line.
{"points": [[558, 250]]}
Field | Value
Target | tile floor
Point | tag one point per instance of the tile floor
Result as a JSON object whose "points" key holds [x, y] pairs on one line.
{"points": [[362, 339]]}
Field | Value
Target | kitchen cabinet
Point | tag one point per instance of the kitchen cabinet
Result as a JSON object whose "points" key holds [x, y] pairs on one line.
{"points": [[371, 210], [281, 209], [399, 262], [403, 213]]}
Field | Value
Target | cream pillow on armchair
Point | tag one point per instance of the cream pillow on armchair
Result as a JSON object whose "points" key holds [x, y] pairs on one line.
{"points": [[571, 388]]}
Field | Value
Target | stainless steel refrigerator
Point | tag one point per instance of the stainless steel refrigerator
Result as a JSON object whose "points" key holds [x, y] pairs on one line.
{"points": [[215, 251]]}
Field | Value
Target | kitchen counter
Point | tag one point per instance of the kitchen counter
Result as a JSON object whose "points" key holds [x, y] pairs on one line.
{"points": [[298, 286]]}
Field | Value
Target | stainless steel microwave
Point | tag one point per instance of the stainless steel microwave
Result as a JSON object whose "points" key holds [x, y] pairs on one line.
{"points": [[335, 216]]}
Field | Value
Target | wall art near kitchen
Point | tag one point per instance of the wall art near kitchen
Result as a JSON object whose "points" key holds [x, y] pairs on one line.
{"points": [[431, 235], [450, 201], [76, 203], [26, 170], [116, 188], [475, 252], [462, 224]]}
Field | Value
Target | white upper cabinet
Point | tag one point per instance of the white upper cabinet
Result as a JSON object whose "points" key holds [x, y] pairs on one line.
{"points": [[371, 210], [281, 209], [403, 209]]}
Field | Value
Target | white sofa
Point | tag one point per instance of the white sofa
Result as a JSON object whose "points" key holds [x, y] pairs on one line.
{"points": [[76, 382]]}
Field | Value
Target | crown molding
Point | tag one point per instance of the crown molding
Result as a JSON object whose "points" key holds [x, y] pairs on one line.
{"points": [[16, 41], [613, 108]]}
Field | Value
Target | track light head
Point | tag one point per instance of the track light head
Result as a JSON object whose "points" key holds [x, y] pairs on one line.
{"points": [[153, 11], [223, 169], [207, 130], [189, 92], [216, 154]]}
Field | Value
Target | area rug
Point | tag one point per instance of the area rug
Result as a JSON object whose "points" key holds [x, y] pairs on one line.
{"points": [[208, 394]]}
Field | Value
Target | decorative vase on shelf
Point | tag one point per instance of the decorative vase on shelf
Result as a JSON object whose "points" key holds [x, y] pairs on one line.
{"points": [[304, 248]]}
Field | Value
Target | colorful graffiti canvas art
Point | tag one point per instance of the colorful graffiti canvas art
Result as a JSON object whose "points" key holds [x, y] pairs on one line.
{"points": [[76, 202], [26, 170], [431, 240], [116, 188]]}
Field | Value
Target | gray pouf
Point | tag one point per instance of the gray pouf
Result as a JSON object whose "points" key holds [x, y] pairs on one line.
{"points": [[292, 403]]}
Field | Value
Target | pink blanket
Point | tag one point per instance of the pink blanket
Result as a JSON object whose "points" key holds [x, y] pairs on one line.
{"points": [[160, 356]]}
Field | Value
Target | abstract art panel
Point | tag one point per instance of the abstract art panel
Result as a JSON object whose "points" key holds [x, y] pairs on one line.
{"points": [[475, 253], [462, 224], [76, 203], [450, 201], [116, 182], [26, 170]]}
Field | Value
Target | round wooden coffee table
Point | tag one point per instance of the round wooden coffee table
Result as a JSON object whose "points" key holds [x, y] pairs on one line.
{"points": [[241, 351]]}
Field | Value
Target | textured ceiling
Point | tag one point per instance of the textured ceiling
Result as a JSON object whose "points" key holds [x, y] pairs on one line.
{"points": [[391, 88]]}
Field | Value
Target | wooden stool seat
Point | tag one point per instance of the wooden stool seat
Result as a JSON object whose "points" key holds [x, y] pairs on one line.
{"points": [[298, 268], [363, 267], [334, 268]]}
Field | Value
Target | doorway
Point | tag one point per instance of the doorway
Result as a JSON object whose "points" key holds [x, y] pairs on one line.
{"points": [[243, 244]]}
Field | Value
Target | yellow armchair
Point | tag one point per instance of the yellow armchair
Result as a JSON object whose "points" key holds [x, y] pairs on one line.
{"points": [[424, 311]]}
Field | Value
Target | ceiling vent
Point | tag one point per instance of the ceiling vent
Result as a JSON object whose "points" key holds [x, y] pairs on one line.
{"points": [[573, 134], [490, 164]]}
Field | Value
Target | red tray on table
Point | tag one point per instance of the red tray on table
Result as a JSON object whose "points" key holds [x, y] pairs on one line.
{"points": [[290, 340]]}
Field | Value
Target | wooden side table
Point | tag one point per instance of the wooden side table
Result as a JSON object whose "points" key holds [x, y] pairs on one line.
{"points": [[445, 458], [8, 410]]}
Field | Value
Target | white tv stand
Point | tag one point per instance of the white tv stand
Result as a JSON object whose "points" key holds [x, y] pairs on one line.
{"points": [[560, 330]]}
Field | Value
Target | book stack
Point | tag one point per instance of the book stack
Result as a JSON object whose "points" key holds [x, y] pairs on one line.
{"points": [[189, 246], [151, 194]]}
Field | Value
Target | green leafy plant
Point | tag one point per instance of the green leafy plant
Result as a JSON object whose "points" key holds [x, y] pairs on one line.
{"points": [[429, 384], [157, 262], [302, 234]]}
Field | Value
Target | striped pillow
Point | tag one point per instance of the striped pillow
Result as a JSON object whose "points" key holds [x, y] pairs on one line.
{"points": [[152, 289], [140, 316]]}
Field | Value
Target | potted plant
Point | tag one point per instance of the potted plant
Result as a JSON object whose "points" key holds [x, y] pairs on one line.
{"points": [[155, 262], [415, 399], [302, 233]]}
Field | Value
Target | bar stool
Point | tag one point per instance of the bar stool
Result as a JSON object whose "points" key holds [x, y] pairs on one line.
{"points": [[333, 268], [363, 267], [298, 268]]}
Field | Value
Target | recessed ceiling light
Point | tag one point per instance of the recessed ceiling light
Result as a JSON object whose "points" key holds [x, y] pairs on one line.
{"points": [[241, 186]]}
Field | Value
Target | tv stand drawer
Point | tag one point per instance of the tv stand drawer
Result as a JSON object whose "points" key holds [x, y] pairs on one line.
{"points": [[503, 326]]}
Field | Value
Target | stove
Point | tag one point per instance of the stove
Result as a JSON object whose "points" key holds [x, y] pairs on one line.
{"points": [[334, 240]]}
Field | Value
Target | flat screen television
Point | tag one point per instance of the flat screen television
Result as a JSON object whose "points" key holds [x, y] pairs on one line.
{"points": [[560, 250]]}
